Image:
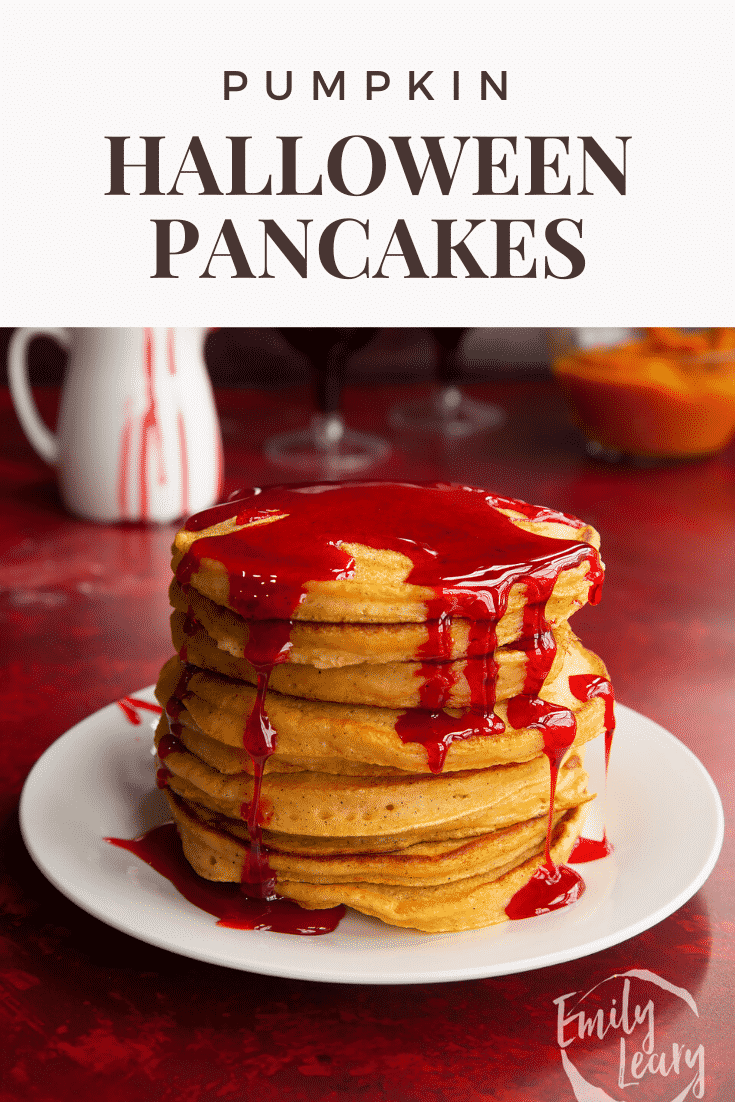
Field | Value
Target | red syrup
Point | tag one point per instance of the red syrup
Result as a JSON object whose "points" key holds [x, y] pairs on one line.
{"points": [[538, 638], [190, 624], [587, 686], [429, 724], [174, 708], [267, 646], [169, 744], [460, 546], [131, 705], [551, 886], [161, 849], [255, 905], [175, 705]]}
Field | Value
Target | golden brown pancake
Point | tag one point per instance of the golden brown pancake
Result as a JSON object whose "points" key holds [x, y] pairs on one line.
{"points": [[384, 685], [421, 864], [326, 645], [451, 902], [467, 904], [530, 799], [378, 592], [325, 805], [309, 730]]}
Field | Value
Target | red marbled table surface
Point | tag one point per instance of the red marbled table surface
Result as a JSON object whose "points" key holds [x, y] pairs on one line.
{"points": [[88, 1012]]}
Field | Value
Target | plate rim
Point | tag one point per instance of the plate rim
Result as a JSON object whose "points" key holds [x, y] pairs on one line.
{"points": [[270, 966]]}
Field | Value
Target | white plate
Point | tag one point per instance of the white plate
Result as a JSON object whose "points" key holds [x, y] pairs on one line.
{"points": [[97, 781]]}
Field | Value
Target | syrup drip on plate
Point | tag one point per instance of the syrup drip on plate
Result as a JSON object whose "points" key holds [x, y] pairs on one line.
{"points": [[586, 687], [461, 547], [161, 849], [551, 886], [130, 707]]}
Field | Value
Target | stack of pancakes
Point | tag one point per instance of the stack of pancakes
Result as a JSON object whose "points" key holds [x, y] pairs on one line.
{"points": [[389, 785]]}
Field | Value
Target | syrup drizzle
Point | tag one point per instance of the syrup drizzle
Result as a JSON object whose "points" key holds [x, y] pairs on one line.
{"points": [[267, 646], [551, 886], [130, 705], [538, 637], [429, 724], [585, 687], [468, 554]]}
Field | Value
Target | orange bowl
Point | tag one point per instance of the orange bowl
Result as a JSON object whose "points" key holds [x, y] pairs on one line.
{"points": [[659, 394]]}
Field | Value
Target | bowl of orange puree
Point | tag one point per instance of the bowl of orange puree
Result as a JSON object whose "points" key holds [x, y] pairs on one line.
{"points": [[653, 394]]}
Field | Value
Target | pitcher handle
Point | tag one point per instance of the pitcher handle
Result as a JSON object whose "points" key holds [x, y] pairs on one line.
{"points": [[39, 434]]}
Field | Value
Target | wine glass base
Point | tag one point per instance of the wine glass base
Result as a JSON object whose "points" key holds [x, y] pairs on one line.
{"points": [[326, 449], [612, 456], [448, 413]]}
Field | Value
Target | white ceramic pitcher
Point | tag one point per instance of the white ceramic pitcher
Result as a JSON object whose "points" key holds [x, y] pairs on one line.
{"points": [[138, 437]]}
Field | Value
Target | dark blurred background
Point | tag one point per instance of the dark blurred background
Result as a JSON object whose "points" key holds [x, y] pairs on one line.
{"points": [[263, 358]]}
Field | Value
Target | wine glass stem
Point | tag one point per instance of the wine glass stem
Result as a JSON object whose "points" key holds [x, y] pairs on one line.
{"points": [[447, 368], [328, 380]]}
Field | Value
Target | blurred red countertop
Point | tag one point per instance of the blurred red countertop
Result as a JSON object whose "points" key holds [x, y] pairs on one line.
{"points": [[90, 1013]]}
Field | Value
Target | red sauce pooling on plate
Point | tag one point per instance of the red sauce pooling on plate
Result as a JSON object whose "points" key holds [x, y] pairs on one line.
{"points": [[586, 686], [461, 548], [161, 849]]}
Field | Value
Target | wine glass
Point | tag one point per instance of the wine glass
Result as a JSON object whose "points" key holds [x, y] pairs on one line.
{"points": [[448, 411], [327, 448]]}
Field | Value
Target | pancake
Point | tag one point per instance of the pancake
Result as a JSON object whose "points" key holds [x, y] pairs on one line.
{"points": [[528, 803], [326, 645], [310, 730], [451, 902], [466, 904], [421, 864], [326, 805], [383, 685], [373, 587]]}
